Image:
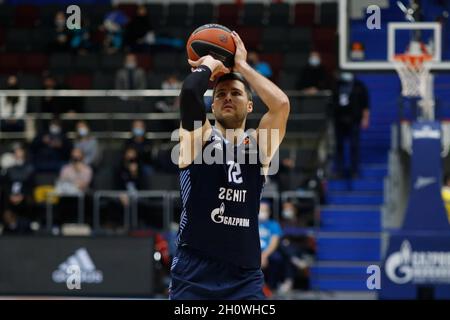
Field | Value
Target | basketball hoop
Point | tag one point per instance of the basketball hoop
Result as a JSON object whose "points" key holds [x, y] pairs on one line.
{"points": [[413, 69], [414, 72]]}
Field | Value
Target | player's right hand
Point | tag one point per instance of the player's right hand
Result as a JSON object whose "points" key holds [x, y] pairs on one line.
{"points": [[216, 66]]}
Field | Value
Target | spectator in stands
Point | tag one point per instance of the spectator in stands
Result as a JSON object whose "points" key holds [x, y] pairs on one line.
{"points": [[12, 108], [87, 144], [8, 159], [351, 113], [139, 34], [114, 25], [130, 179], [313, 77], [61, 35], [19, 198], [50, 104], [142, 145], [18, 186], [296, 249], [170, 104], [76, 176], [269, 234], [14, 224], [58, 105], [289, 214], [261, 66], [80, 41], [297, 253], [20, 173], [131, 76], [130, 175], [51, 149]]}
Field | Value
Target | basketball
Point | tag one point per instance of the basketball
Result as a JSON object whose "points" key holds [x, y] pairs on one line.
{"points": [[214, 40]]}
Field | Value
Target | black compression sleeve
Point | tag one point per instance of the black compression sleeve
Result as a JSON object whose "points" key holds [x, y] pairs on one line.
{"points": [[192, 107]]}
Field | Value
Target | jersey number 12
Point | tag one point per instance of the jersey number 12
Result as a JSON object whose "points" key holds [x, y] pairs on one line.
{"points": [[234, 172]]}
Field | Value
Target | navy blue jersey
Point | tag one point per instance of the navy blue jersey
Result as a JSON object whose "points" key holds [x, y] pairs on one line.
{"points": [[221, 202]]}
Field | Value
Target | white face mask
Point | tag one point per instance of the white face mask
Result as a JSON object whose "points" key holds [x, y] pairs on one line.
{"points": [[346, 76], [54, 129], [130, 65], [82, 132], [263, 215], [288, 214], [314, 61], [138, 132]]}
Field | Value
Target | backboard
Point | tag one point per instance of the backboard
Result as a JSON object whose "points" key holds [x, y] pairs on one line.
{"points": [[372, 32]]}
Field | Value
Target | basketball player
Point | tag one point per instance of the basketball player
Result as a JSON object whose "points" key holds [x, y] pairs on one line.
{"points": [[218, 249]]}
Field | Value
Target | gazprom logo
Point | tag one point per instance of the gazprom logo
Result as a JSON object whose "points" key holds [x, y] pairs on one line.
{"points": [[418, 267], [217, 215]]}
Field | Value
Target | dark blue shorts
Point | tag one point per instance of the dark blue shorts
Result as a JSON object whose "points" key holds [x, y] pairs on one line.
{"points": [[195, 277]]}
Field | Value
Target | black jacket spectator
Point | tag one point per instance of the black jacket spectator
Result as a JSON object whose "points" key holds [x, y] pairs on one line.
{"points": [[142, 145], [350, 99], [59, 105], [138, 29], [313, 76], [351, 113], [51, 149]]}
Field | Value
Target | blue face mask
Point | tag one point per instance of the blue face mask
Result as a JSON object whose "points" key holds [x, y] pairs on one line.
{"points": [[314, 61], [138, 132], [83, 132]]}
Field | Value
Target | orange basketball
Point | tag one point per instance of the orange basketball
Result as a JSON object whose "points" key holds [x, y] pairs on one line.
{"points": [[212, 39]]}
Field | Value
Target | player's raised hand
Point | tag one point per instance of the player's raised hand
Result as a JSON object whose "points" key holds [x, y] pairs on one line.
{"points": [[240, 57], [216, 66]]}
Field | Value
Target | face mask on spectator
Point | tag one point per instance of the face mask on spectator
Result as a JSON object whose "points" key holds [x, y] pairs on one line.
{"points": [[130, 65], [314, 61], [138, 132], [54, 129], [288, 213], [347, 76], [83, 132], [263, 215]]}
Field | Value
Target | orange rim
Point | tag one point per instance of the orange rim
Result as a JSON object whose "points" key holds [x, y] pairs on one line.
{"points": [[413, 60]]}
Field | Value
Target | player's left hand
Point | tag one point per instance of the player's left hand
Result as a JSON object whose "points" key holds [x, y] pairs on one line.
{"points": [[240, 57], [216, 66]]}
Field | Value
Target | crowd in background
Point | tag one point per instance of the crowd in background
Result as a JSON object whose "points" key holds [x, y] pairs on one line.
{"points": [[75, 162]]}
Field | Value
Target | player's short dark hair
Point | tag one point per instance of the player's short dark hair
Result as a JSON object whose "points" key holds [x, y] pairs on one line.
{"points": [[234, 76]]}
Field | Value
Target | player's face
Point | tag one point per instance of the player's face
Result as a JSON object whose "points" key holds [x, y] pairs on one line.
{"points": [[231, 104]]}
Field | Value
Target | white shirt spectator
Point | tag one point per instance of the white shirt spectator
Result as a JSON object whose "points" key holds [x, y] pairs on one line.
{"points": [[13, 111]]}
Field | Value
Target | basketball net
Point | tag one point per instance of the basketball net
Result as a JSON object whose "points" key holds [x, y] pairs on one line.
{"points": [[413, 68]]}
